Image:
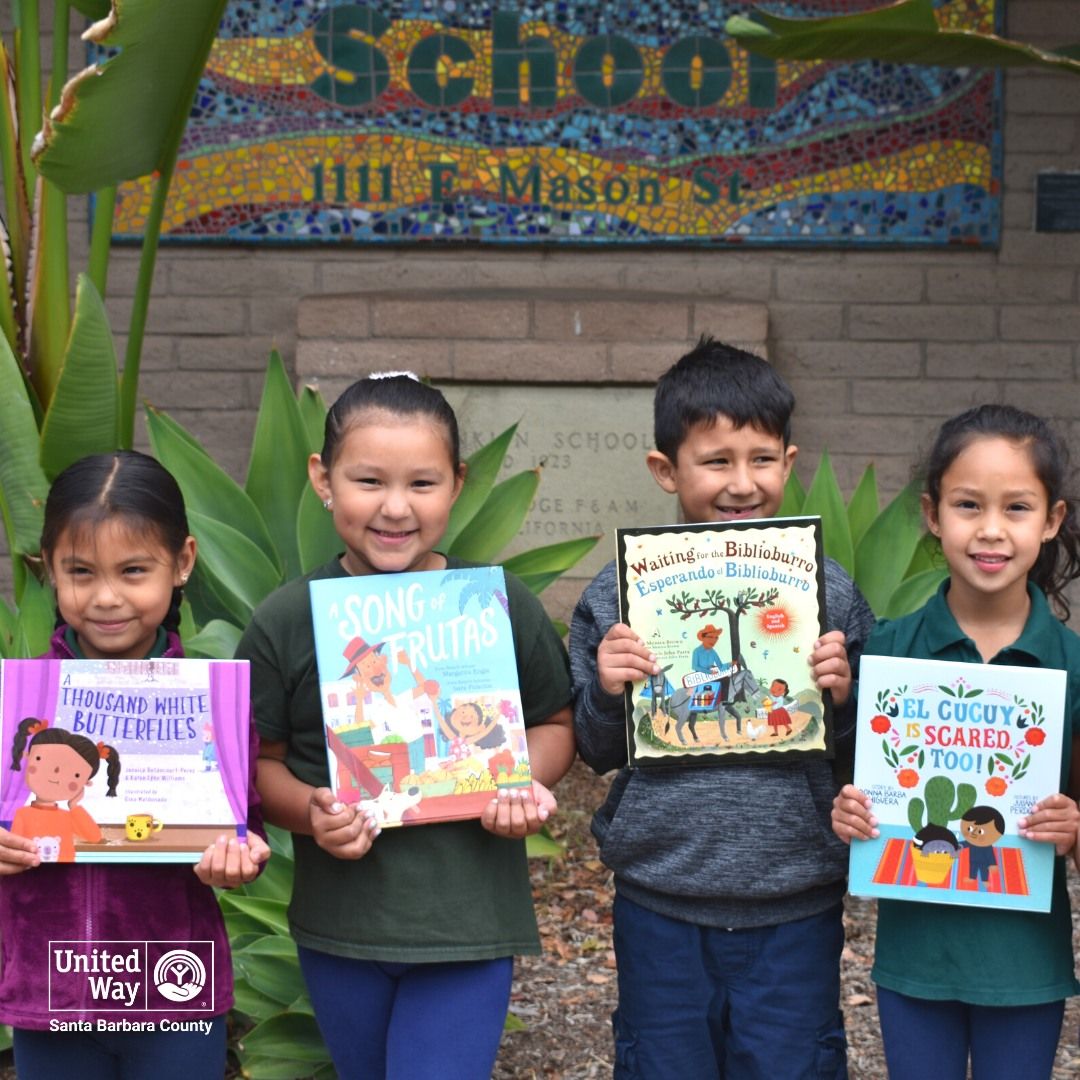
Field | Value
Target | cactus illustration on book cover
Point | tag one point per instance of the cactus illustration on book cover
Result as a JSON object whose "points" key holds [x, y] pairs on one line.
{"points": [[731, 611], [419, 689], [124, 760], [952, 755]]}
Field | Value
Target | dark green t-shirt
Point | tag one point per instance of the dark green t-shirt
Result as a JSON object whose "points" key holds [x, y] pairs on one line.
{"points": [[979, 955], [422, 894]]}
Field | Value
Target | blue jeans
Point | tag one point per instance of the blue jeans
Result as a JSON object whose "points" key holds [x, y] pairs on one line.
{"points": [[120, 1055], [933, 1038], [409, 1021], [708, 1003]]}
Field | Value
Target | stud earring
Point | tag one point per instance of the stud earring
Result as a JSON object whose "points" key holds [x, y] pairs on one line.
{"points": [[328, 504], [183, 579]]}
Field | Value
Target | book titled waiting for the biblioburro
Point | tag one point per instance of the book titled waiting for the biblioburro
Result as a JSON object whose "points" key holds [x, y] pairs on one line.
{"points": [[731, 610]]}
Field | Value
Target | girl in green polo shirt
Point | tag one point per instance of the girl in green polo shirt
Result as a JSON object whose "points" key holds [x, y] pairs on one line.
{"points": [[405, 940], [960, 982]]}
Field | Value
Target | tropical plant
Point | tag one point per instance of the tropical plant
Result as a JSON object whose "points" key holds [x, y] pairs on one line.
{"points": [[907, 32], [895, 563], [61, 396], [255, 537]]}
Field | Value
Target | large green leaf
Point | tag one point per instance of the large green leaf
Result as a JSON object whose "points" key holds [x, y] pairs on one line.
{"points": [[119, 121], [37, 618], [234, 563], [316, 538], [927, 555], [257, 1067], [794, 496], [481, 470], [863, 505], [270, 965], [23, 485], [539, 567], [250, 1002], [497, 522], [905, 32], [825, 500], [217, 640], [277, 470], [82, 416], [208, 489], [270, 913], [883, 554], [293, 1036], [913, 592], [313, 414]]}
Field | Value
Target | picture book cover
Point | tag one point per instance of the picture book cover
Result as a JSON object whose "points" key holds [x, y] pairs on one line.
{"points": [[419, 690], [952, 755], [732, 611], [130, 761]]}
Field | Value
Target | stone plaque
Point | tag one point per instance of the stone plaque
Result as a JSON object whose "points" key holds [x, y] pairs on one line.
{"points": [[1057, 202], [591, 443]]}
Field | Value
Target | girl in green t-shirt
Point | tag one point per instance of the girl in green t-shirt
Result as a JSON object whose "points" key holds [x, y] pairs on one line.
{"points": [[405, 942], [991, 984]]}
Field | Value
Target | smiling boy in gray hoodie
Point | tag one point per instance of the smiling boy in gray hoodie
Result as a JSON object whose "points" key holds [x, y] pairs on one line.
{"points": [[729, 881]]}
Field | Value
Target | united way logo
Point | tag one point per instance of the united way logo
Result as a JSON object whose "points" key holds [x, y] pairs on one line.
{"points": [[179, 975]]}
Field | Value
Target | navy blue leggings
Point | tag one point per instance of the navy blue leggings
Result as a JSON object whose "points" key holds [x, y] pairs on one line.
{"points": [[121, 1055], [933, 1038], [409, 1021]]}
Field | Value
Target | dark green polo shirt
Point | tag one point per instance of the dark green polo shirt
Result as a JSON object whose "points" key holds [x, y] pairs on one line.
{"points": [[979, 955], [425, 894]]}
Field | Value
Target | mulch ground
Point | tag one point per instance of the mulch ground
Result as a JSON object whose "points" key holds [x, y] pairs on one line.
{"points": [[564, 998]]}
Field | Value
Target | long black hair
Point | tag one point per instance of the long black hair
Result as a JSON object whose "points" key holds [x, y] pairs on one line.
{"points": [[41, 734]]}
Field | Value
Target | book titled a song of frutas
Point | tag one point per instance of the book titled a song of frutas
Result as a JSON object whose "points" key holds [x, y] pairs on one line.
{"points": [[418, 681], [731, 611], [124, 760]]}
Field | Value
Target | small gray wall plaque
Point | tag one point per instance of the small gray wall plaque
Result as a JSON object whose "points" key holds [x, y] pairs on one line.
{"points": [[1057, 202]]}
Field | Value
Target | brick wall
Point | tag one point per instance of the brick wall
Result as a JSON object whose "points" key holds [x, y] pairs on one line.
{"points": [[878, 345]]}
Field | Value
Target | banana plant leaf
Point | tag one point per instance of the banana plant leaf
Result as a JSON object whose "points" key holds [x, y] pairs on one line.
{"points": [[37, 618], [83, 414], [207, 488], [825, 500], [120, 120], [481, 469], [497, 522], [277, 470], [906, 32], [23, 485]]}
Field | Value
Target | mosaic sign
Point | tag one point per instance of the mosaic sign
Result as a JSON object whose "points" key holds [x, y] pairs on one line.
{"points": [[635, 121]]}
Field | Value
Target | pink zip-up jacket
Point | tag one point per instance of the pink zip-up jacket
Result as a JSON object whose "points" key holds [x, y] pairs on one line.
{"points": [[58, 902]]}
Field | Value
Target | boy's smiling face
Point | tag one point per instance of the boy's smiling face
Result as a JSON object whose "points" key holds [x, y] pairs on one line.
{"points": [[725, 473]]}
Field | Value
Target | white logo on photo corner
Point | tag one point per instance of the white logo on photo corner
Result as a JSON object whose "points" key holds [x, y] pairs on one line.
{"points": [[179, 975]]}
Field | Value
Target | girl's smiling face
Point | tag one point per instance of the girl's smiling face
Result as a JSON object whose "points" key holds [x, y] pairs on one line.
{"points": [[391, 487], [56, 772], [992, 518], [114, 586]]}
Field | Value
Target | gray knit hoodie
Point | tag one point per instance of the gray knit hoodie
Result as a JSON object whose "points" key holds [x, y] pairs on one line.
{"points": [[736, 846]]}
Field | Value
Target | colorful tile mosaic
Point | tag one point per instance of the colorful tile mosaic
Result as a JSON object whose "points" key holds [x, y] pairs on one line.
{"points": [[576, 121]]}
